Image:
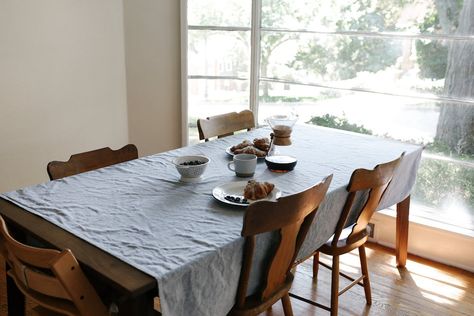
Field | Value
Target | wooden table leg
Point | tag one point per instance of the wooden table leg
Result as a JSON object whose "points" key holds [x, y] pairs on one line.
{"points": [[15, 299], [403, 210]]}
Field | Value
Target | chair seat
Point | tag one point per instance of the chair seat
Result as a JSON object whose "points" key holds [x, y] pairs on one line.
{"points": [[253, 304], [343, 246]]}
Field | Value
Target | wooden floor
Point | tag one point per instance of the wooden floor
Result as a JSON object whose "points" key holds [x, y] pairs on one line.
{"points": [[423, 288]]}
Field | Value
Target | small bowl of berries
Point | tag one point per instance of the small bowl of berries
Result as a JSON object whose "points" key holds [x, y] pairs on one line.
{"points": [[191, 168]]}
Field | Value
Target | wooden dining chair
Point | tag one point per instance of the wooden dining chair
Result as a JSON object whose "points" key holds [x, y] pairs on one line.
{"points": [[225, 124], [291, 217], [91, 160], [53, 279], [347, 238]]}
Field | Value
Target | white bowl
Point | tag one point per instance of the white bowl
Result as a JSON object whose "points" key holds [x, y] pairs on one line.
{"points": [[191, 173]]}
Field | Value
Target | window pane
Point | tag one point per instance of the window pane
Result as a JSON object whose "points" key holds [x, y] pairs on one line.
{"points": [[425, 16], [402, 66], [444, 191], [218, 53], [400, 118], [220, 13], [212, 97], [445, 185]]}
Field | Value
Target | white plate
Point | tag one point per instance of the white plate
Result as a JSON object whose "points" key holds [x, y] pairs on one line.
{"points": [[237, 189], [230, 153]]}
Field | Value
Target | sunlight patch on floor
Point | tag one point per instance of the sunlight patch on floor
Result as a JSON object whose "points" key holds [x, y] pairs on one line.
{"points": [[437, 298], [438, 277]]}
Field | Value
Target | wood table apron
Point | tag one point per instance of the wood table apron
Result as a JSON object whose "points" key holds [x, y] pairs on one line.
{"points": [[131, 290]]}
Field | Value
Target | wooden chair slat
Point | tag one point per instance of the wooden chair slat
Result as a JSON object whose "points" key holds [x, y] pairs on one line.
{"points": [[376, 181], [91, 160], [48, 305], [69, 273], [39, 282], [38, 257], [282, 260], [225, 124], [363, 179]]}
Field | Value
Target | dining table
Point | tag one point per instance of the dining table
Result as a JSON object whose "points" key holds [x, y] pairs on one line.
{"points": [[140, 233]]}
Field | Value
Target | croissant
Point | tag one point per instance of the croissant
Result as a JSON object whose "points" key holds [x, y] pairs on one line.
{"points": [[243, 144], [251, 150], [257, 190], [262, 143]]}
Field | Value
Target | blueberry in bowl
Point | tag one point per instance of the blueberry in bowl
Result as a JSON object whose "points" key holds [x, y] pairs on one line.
{"points": [[191, 168]]}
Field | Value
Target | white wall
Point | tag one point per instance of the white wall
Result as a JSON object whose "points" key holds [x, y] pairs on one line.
{"points": [[62, 83], [152, 50], [451, 248]]}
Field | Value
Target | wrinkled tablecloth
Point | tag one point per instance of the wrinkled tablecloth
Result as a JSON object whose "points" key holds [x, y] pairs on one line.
{"points": [[178, 233]]}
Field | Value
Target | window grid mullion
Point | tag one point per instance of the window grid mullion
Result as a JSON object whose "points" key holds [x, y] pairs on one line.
{"points": [[219, 28], [391, 35], [217, 77], [255, 57], [413, 96], [184, 73]]}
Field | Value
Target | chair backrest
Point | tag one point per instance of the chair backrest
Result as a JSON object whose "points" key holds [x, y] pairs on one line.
{"points": [[376, 182], [52, 278], [225, 124], [291, 216], [91, 160]]}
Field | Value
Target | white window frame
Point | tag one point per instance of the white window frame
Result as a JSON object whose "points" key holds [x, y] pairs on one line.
{"points": [[184, 72]]}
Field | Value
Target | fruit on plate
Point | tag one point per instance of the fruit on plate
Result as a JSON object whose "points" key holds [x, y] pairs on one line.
{"points": [[236, 199]]}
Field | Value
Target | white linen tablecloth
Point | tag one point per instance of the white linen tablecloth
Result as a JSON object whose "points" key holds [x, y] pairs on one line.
{"points": [[178, 233]]}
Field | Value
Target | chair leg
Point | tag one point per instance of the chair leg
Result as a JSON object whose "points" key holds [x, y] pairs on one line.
{"points": [[285, 301], [335, 285], [365, 273], [315, 265]]}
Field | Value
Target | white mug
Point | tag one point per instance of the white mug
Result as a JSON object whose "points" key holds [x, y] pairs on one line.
{"points": [[244, 165]]}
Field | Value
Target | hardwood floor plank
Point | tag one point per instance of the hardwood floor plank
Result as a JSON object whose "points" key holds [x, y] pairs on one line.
{"points": [[422, 288]]}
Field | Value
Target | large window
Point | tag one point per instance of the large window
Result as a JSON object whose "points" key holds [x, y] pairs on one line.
{"points": [[393, 68]]}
